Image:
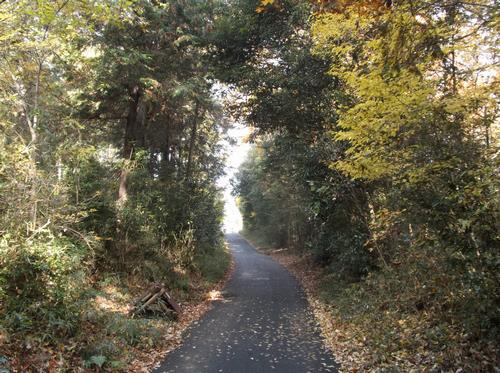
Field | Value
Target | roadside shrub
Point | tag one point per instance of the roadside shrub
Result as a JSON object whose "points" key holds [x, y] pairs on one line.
{"points": [[133, 331], [445, 311], [213, 265], [42, 282]]}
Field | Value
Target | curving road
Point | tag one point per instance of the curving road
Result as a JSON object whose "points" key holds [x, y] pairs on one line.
{"points": [[263, 324]]}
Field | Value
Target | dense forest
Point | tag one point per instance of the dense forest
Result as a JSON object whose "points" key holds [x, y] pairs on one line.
{"points": [[375, 132], [110, 148]]}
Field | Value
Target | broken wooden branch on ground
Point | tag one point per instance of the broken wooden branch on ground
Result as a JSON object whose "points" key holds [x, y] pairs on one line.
{"points": [[156, 298]]}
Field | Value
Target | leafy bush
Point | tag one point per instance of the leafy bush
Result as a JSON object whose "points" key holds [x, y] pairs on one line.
{"points": [[101, 353], [445, 311], [213, 265], [42, 283]]}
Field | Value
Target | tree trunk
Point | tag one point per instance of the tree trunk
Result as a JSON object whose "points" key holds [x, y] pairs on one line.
{"points": [[192, 141], [32, 126], [164, 170], [128, 143]]}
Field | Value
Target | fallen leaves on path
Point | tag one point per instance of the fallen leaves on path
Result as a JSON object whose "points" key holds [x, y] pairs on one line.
{"points": [[349, 353]]}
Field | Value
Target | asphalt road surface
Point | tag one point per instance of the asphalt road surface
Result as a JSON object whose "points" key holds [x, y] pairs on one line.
{"points": [[262, 324]]}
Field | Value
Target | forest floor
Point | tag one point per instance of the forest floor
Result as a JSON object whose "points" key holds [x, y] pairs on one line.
{"points": [[108, 339]]}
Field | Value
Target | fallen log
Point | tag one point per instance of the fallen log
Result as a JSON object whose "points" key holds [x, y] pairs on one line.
{"points": [[173, 303], [155, 294]]}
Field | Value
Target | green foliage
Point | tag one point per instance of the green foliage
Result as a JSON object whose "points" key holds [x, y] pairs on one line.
{"points": [[43, 283], [374, 153], [213, 265], [95, 360], [109, 157], [308, 207], [100, 354], [409, 308], [133, 331]]}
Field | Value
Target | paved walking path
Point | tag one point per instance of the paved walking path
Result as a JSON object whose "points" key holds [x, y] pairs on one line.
{"points": [[263, 324]]}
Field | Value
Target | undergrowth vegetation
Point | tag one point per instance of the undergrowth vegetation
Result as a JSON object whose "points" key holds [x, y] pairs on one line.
{"points": [[422, 312]]}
